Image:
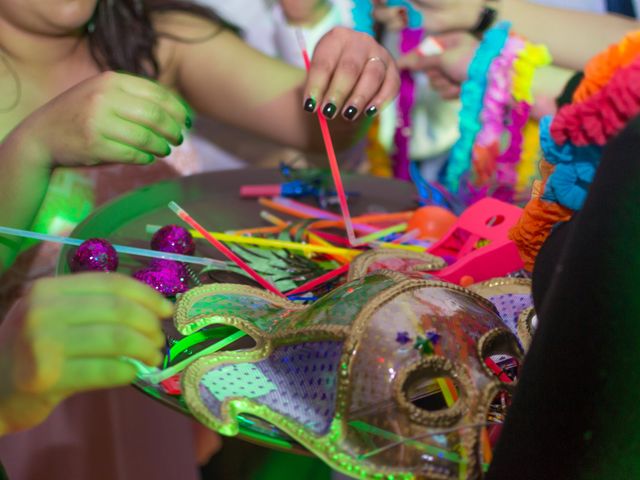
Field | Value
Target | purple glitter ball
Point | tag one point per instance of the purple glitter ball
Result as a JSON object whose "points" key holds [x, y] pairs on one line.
{"points": [[173, 239], [178, 268], [168, 278], [95, 255]]}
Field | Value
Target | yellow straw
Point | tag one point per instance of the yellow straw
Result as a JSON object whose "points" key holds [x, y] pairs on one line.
{"points": [[396, 246], [323, 242], [382, 233], [268, 243]]}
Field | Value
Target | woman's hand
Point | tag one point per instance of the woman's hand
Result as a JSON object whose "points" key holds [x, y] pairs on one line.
{"points": [[350, 73], [447, 71], [70, 334], [110, 118]]}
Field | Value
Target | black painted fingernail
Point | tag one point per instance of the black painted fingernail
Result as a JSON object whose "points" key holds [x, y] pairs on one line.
{"points": [[350, 112], [310, 105], [371, 111], [329, 110], [188, 123]]}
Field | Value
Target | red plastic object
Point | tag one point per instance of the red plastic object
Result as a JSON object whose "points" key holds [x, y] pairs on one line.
{"points": [[479, 243], [256, 191], [172, 385]]}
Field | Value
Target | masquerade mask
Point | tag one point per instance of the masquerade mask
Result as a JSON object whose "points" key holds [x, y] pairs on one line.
{"points": [[387, 376]]}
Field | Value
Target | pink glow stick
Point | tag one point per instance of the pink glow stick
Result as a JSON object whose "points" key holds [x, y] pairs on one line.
{"points": [[254, 191], [307, 210], [330, 237], [184, 216], [320, 280], [410, 235], [331, 154]]}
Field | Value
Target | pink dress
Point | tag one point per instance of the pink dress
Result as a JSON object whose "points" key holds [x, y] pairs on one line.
{"points": [[117, 434]]}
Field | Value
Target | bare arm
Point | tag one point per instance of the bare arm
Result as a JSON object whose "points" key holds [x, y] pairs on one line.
{"points": [[24, 177], [572, 36], [224, 78]]}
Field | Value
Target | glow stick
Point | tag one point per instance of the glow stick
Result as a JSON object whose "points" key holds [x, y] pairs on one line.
{"points": [[319, 281], [316, 240], [300, 210], [255, 231], [180, 212], [410, 235], [156, 376], [397, 246], [383, 233], [140, 252], [269, 243], [331, 154], [271, 218]]}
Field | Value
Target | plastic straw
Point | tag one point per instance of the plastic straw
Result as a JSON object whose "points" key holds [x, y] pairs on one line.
{"points": [[410, 235], [158, 376], [271, 218], [255, 231], [269, 243], [180, 212], [140, 252], [383, 233], [300, 210], [331, 154], [319, 281]]}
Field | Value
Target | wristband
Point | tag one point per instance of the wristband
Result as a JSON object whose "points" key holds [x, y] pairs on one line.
{"points": [[487, 18]]}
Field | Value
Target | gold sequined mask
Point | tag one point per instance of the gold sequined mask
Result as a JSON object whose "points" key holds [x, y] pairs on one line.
{"points": [[385, 377]]}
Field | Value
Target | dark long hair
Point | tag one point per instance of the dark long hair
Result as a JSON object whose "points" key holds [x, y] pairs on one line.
{"points": [[122, 35]]}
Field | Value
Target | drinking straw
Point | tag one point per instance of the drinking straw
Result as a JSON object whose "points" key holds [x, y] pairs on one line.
{"points": [[180, 212], [140, 252]]}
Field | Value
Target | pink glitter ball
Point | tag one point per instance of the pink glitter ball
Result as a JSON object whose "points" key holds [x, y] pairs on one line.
{"points": [[167, 277], [95, 255], [173, 239]]}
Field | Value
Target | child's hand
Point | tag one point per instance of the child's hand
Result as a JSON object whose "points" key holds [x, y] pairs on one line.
{"points": [[109, 118], [68, 335], [350, 73]]}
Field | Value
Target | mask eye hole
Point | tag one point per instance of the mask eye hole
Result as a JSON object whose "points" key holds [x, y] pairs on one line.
{"points": [[433, 391], [501, 355]]}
